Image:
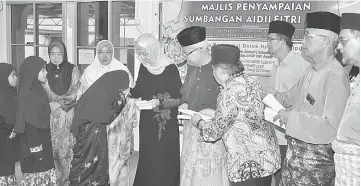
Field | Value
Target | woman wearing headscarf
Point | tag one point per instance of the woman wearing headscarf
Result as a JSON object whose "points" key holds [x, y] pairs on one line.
{"points": [[159, 82], [120, 129], [98, 107], [9, 147], [32, 123], [61, 88], [103, 62]]}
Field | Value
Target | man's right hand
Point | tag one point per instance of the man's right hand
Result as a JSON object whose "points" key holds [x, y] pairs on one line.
{"points": [[183, 106]]}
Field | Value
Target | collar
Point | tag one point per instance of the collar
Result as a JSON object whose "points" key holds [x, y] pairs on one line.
{"points": [[288, 58], [231, 78], [320, 66]]}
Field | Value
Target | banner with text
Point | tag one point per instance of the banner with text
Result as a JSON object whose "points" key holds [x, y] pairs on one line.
{"points": [[242, 23]]}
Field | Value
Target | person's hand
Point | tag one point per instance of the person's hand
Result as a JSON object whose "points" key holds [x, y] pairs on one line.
{"points": [[208, 112], [12, 135], [183, 106], [154, 102], [270, 90], [282, 116], [195, 118]]}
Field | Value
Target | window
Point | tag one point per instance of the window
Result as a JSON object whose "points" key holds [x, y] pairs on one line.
{"points": [[33, 27]]}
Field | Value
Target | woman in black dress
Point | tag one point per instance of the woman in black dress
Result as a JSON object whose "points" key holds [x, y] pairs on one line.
{"points": [[9, 147], [158, 82]]}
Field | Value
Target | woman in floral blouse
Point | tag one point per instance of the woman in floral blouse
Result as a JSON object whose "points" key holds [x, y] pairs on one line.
{"points": [[61, 88], [251, 143]]}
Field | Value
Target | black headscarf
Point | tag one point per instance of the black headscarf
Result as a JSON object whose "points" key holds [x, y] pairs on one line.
{"points": [[33, 103], [7, 95], [96, 103], [59, 77], [9, 147]]}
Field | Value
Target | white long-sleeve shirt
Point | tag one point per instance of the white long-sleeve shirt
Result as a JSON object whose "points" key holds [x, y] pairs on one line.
{"points": [[286, 75]]}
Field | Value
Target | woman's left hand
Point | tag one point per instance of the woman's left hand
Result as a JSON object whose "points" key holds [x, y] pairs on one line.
{"points": [[195, 118]]}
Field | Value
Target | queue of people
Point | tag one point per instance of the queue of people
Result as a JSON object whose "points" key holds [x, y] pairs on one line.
{"points": [[67, 128]]}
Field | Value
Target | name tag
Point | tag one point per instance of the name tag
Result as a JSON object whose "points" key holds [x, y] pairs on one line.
{"points": [[310, 99]]}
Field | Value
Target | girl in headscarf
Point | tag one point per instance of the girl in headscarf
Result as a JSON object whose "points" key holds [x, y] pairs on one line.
{"points": [[99, 105], [9, 147], [32, 123], [159, 82], [61, 88]]}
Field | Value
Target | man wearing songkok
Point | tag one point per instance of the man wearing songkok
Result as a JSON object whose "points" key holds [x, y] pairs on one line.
{"points": [[202, 164], [347, 143], [251, 143], [286, 73], [317, 103]]}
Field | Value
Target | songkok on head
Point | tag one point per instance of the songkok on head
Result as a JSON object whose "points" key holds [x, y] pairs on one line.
{"points": [[350, 21], [225, 54], [281, 27], [191, 35], [323, 20]]}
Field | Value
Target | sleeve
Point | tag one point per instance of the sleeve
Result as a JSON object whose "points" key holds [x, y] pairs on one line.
{"points": [[182, 90], [3, 123], [174, 85], [69, 99], [136, 92], [302, 124], [272, 78], [288, 99], [225, 116]]}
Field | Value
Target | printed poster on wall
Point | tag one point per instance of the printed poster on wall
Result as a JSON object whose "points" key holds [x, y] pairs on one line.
{"points": [[243, 23]]}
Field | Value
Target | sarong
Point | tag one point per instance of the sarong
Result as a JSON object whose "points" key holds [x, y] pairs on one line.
{"points": [[347, 163], [308, 164]]}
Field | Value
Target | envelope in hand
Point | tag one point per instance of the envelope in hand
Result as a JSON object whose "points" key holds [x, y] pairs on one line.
{"points": [[143, 105]]}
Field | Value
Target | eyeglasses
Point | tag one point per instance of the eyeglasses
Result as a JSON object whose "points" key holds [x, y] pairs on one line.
{"points": [[344, 41], [189, 53], [308, 36], [269, 39]]}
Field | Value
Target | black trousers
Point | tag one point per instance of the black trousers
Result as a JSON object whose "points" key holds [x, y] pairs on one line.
{"points": [[265, 181]]}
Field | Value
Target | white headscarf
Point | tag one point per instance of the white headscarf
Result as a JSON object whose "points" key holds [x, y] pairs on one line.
{"points": [[95, 70], [153, 57]]}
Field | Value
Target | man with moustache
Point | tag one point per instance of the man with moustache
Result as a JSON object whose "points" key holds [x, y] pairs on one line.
{"points": [[286, 74], [347, 143], [317, 102], [202, 164]]}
